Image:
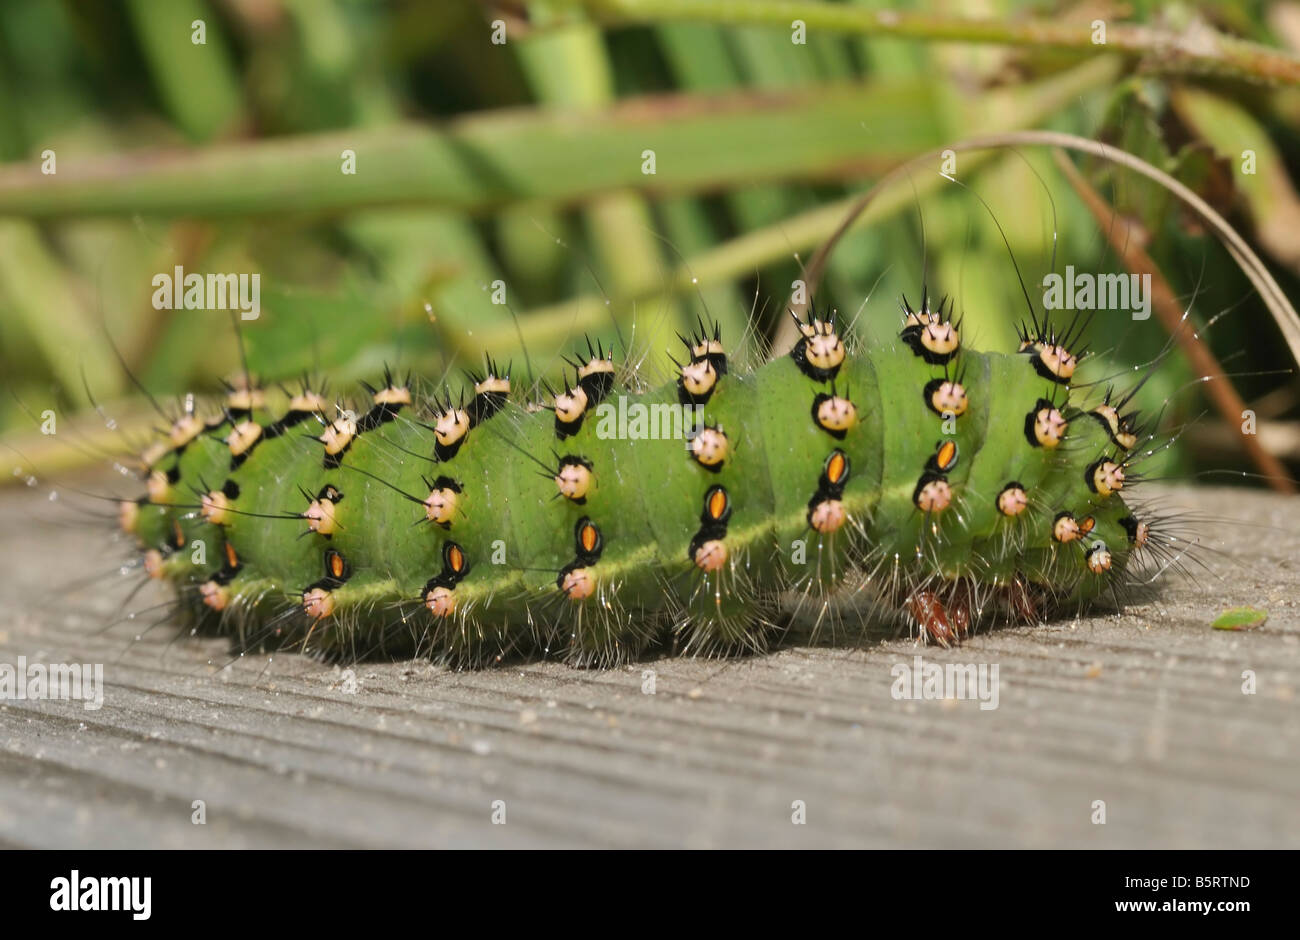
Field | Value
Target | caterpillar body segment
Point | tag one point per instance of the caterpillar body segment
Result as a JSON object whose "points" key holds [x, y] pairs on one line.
{"points": [[815, 557], [923, 502], [165, 527], [951, 483]]}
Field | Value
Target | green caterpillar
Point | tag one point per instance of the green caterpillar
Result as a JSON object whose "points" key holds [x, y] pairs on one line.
{"points": [[951, 484]]}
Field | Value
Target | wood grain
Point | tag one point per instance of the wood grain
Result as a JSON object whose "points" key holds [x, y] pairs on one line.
{"points": [[1144, 711]]}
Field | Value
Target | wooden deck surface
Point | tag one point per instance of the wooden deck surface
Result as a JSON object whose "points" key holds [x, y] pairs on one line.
{"points": [[1144, 711]]}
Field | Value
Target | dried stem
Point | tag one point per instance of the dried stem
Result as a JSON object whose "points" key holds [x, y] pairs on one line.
{"points": [[1165, 302], [1195, 49]]}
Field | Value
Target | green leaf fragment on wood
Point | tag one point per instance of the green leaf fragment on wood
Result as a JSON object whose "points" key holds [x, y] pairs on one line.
{"points": [[1240, 618]]}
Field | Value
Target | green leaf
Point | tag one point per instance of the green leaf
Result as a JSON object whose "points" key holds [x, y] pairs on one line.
{"points": [[484, 161], [1240, 618]]}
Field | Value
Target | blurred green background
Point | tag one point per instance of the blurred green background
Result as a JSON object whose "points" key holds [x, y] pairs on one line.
{"points": [[524, 161]]}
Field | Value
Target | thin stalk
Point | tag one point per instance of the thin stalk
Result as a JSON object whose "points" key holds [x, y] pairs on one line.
{"points": [[1197, 48], [1218, 387]]}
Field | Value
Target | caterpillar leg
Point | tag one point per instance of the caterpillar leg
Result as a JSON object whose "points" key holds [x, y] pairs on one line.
{"points": [[945, 620], [1021, 603], [946, 616]]}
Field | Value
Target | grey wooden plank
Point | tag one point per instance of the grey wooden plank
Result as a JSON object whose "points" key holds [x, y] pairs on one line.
{"points": [[1143, 710]]}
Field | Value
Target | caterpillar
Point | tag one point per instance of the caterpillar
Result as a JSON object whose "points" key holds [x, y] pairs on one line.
{"points": [[592, 521]]}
